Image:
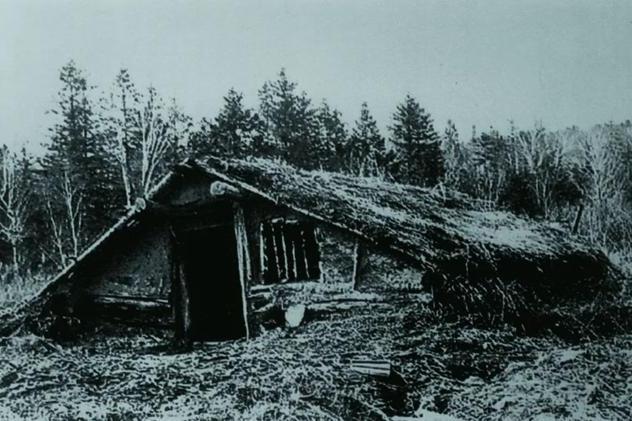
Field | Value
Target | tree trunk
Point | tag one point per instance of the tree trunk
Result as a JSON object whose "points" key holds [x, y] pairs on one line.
{"points": [[16, 267]]}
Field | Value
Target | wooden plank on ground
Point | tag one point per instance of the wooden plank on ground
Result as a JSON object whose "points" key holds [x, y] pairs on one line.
{"points": [[373, 367], [424, 415]]}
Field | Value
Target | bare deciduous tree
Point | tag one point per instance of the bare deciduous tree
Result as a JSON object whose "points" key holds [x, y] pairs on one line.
{"points": [[154, 141], [66, 223], [608, 217], [540, 156], [14, 204], [57, 231], [72, 198], [143, 132]]}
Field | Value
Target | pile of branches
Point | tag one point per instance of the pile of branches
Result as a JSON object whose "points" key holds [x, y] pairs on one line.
{"points": [[580, 296]]}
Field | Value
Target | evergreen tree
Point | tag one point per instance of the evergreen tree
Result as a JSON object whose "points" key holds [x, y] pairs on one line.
{"points": [[36, 252], [451, 144], [455, 158], [289, 119], [491, 159], [365, 152], [327, 150], [492, 149], [81, 197], [235, 132], [418, 158]]}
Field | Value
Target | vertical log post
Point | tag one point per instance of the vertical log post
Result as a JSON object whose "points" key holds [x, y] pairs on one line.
{"points": [[185, 301], [180, 297], [578, 218], [360, 261], [254, 238], [243, 258]]}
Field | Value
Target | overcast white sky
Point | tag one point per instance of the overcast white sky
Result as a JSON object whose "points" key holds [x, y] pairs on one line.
{"points": [[477, 62]]}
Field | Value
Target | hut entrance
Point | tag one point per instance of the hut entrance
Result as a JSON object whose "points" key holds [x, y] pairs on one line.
{"points": [[211, 275]]}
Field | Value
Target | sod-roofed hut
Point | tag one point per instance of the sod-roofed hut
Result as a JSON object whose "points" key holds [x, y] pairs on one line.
{"points": [[220, 245]]}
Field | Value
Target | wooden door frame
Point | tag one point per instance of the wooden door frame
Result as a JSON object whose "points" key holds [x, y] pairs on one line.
{"points": [[180, 296], [243, 259]]}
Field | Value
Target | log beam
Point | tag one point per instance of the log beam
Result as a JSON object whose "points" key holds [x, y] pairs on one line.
{"points": [[221, 188]]}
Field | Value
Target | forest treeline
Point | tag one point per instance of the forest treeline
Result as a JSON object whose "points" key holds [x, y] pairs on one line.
{"points": [[106, 149]]}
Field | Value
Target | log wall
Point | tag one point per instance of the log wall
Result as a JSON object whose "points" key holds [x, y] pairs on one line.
{"points": [[137, 265], [381, 272]]}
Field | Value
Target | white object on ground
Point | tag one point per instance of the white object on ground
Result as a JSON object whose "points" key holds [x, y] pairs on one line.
{"points": [[294, 315]]}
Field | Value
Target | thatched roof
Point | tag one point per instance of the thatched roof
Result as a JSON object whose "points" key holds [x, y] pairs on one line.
{"points": [[463, 248], [429, 226]]}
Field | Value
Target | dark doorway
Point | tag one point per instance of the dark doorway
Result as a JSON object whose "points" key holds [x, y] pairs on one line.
{"points": [[212, 279]]}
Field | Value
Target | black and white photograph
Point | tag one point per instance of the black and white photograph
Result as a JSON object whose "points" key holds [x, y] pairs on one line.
{"points": [[315, 210]]}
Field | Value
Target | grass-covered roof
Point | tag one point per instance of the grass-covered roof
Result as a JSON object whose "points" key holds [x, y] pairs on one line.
{"points": [[463, 248]]}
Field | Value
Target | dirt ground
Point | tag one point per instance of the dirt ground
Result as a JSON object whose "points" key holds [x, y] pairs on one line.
{"points": [[305, 373]]}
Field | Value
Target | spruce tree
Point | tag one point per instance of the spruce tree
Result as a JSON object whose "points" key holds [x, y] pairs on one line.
{"points": [[492, 161], [327, 150], [417, 149], [237, 131], [365, 150], [82, 198], [289, 119], [453, 154]]}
